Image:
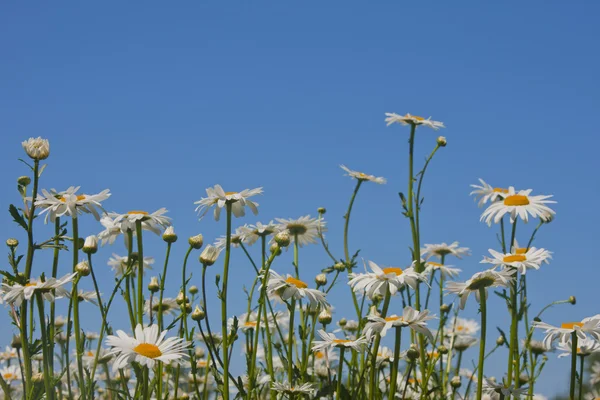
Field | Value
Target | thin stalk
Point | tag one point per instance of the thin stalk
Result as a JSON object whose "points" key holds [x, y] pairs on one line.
{"points": [[581, 371], [482, 299], [224, 306], [394, 377], [338, 390], [573, 365], [47, 358], [140, 289], [76, 324]]}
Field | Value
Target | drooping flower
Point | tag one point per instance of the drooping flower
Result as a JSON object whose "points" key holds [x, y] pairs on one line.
{"points": [[381, 279], [153, 222], [484, 279], [305, 229], [447, 271], [412, 120], [492, 388], [169, 306], [216, 196], [362, 176], [146, 347], [443, 249], [290, 390], [330, 341], [518, 204], [50, 289], [292, 288], [56, 204], [251, 233], [119, 264], [415, 320]]}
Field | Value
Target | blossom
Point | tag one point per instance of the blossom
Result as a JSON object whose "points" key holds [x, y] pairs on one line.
{"points": [[585, 347], [152, 222], [382, 279], [362, 176], [479, 280], [443, 249], [293, 288], [286, 388], [518, 204], [37, 148], [415, 320], [520, 259], [590, 325], [50, 289], [304, 229], [119, 264], [331, 341], [487, 193], [238, 201], [56, 204], [412, 120]]}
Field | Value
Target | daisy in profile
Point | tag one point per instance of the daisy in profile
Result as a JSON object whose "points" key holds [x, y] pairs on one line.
{"points": [[111, 230], [56, 204], [50, 289], [520, 259], [146, 347], [491, 387], [381, 279], [461, 342], [154, 222], [362, 176], [443, 249], [292, 391], [462, 326], [169, 306], [305, 229], [415, 320], [251, 233], [292, 288], [246, 322], [590, 325], [10, 373], [216, 196], [518, 204], [237, 238], [391, 118], [485, 279], [447, 271], [119, 264], [384, 354], [585, 347], [487, 193], [330, 341]]}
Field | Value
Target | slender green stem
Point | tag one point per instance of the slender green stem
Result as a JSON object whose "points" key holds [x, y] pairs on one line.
{"points": [[338, 391], [482, 300], [47, 358], [394, 377], [581, 372], [373, 382], [347, 219], [76, 322], [163, 279], [140, 289], [573, 365], [225, 343], [290, 349], [52, 328]]}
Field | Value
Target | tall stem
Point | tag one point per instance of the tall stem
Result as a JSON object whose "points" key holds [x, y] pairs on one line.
{"points": [[163, 278], [140, 289], [482, 299], [394, 377], [47, 358], [581, 371], [338, 390], [224, 306], [573, 365], [373, 382], [76, 324]]}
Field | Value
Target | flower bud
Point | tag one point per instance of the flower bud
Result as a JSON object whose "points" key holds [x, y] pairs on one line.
{"points": [[153, 286], [193, 289], [343, 322], [184, 396], [196, 241], [275, 249], [455, 382], [12, 243], [523, 379], [37, 148], [340, 266], [321, 280], [325, 317], [90, 245], [198, 314], [377, 297], [169, 235], [24, 180], [500, 340], [16, 342], [180, 299], [283, 239], [321, 210], [412, 353], [200, 352], [59, 322], [572, 300], [83, 268], [209, 255], [443, 350], [39, 377], [441, 141], [444, 308], [187, 308]]}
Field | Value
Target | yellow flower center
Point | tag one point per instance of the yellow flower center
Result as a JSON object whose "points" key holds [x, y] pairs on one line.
{"points": [[148, 350], [135, 212], [393, 318], [341, 341], [230, 193], [319, 354], [392, 270], [201, 363], [414, 117], [571, 325], [79, 198], [460, 328], [9, 376], [296, 282], [500, 190], [514, 258], [90, 354], [434, 264], [522, 250], [31, 284], [250, 324], [516, 200]]}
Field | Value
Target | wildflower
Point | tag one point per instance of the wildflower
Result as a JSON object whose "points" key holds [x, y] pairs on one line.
{"points": [[410, 317], [491, 387], [196, 241], [590, 325], [10, 373], [68, 202], [153, 222], [462, 326], [119, 264], [487, 193], [169, 306], [443, 249], [209, 255], [383, 279], [286, 388], [37, 148], [238, 200], [169, 235], [479, 280], [520, 204], [412, 120], [146, 347], [362, 176], [50, 289], [304, 229], [585, 347], [521, 259], [331, 341], [251, 233], [292, 288], [90, 245], [447, 271]]}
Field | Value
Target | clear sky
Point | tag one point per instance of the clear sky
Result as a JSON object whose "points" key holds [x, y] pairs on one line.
{"points": [[158, 102]]}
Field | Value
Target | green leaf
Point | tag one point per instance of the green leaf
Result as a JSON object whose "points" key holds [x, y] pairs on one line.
{"points": [[17, 217]]}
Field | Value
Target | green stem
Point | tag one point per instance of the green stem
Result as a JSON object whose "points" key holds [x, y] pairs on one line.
{"points": [[347, 220], [373, 382], [482, 299], [573, 365], [163, 278], [47, 359], [581, 371], [338, 390], [224, 306], [291, 344], [76, 324], [140, 289], [394, 377], [52, 328]]}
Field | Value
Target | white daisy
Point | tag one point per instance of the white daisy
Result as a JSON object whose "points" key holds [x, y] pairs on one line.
{"points": [[119, 264], [590, 325], [51, 288], [10, 373], [238, 200], [479, 280], [410, 317], [461, 342], [487, 193], [443, 249], [290, 390], [290, 287], [153, 222], [251, 233], [412, 120], [169, 306], [90, 297], [491, 387], [521, 259], [89, 356], [520, 204], [595, 373], [362, 176], [330, 341], [111, 230], [384, 354], [378, 281], [585, 347], [305, 229], [37, 148], [462, 326], [57, 204], [447, 271], [246, 322], [146, 347], [237, 238]]}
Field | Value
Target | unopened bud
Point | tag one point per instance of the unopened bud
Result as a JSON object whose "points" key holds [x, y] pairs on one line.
{"points": [[325, 317], [38, 378], [572, 300], [444, 308], [169, 235], [196, 241], [340, 266], [275, 249], [321, 210], [321, 280], [90, 245], [377, 297], [187, 308], [283, 239], [500, 341], [83, 268], [153, 286], [209, 255], [37, 148], [455, 382], [200, 352], [343, 322], [24, 180], [198, 314], [441, 141], [193, 289], [16, 342], [443, 350], [181, 298], [412, 353], [12, 243]]}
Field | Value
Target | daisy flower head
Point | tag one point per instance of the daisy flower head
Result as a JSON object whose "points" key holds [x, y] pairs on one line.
{"points": [[111, 230], [10, 373], [590, 325], [251, 233], [304, 229], [595, 373], [447, 271], [520, 259], [462, 327], [56, 204], [50, 289], [585, 347], [293, 288], [237, 238], [153, 222], [381, 279], [330, 341], [246, 322], [462, 342], [290, 390], [362, 176], [484, 279], [169, 306], [487, 193], [146, 347], [412, 120], [490, 387], [119, 264], [518, 204], [37, 148], [415, 320], [216, 196], [443, 249]]}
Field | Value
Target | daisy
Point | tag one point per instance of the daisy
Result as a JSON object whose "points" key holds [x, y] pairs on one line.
{"points": [[595, 373], [68, 202], [89, 356], [447, 271], [238, 200], [537, 347], [491, 387], [305, 229], [462, 326], [152, 222], [362, 176], [169, 306], [590, 325], [119, 264], [412, 120], [37, 148], [251, 233], [462, 342], [443, 249], [326, 356], [410, 317], [330, 341], [10, 373], [237, 238], [245, 322], [110, 232], [487, 193], [290, 390], [90, 297], [519, 204], [50, 289], [585, 347], [292, 288], [146, 347], [382, 279], [479, 280], [9, 353], [520, 259], [384, 354]]}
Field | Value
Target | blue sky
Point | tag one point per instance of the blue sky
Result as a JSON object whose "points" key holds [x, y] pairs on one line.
{"points": [[159, 102]]}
